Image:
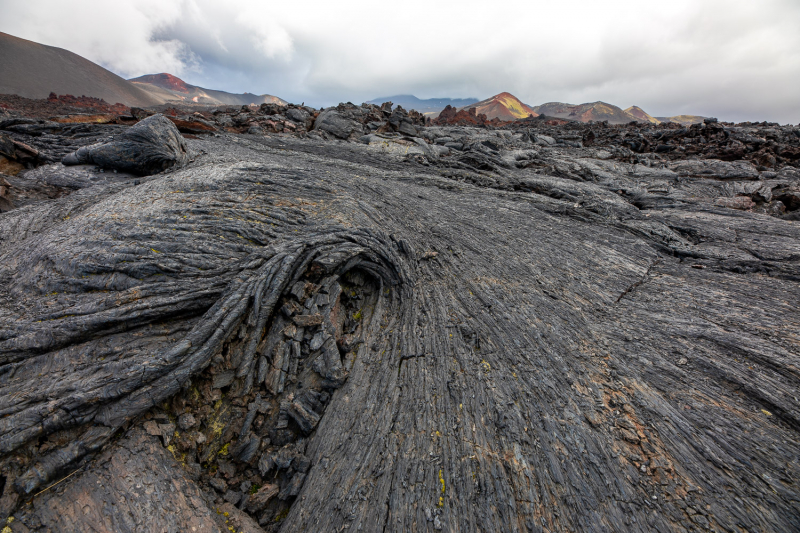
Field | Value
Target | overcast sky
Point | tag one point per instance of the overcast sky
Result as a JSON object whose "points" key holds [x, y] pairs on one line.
{"points": [[734, 59]]}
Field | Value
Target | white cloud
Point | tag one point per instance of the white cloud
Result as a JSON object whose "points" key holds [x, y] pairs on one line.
{"points": [[118, 36], [267, 37], [735, 59]]}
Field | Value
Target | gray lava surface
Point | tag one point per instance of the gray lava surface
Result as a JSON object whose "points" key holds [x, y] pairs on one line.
{"points": [[466, 330]]}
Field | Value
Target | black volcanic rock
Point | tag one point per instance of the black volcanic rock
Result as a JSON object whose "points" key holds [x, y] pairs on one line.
{"points": [[149, 147], [348, 121], [338, 123], [539, 330]]}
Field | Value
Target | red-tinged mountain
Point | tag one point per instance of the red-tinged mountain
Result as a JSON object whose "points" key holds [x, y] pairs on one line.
{"points": [[170, 87], [165, 81], [503, 106]]}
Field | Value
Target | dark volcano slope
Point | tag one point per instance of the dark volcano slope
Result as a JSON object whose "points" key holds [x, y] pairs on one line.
{"points": [[388, 346], [35, 70]]}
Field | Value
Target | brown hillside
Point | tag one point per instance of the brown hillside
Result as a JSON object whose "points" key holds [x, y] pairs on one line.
{"points": [[503, 106], [596, 111], [639, 114], [35, 70]]}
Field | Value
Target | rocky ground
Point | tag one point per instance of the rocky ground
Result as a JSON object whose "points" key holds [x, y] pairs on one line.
{"points": [[348, 319], [56, 105]]}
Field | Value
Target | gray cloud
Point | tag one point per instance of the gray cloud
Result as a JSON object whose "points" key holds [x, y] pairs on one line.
{"points": [[736, 59]]}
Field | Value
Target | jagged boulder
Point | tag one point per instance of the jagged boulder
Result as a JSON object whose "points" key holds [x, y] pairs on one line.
{"points": [[348, 121], [151, 146], [298, 115], [464, 117], [338, 123]]}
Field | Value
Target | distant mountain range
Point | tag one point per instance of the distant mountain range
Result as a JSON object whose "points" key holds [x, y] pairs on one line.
{"points": [[505, 106], [431, 105], [169, 87]]}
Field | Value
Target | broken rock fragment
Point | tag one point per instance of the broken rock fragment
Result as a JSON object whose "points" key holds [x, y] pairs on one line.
{"points": [[308, 320], [262, 497], [338, 124]]}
